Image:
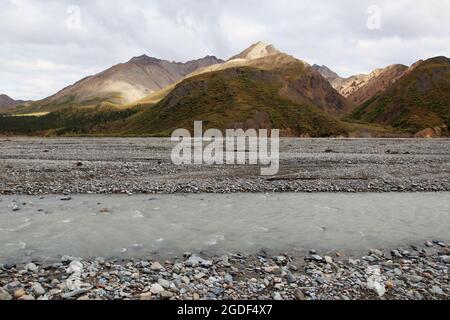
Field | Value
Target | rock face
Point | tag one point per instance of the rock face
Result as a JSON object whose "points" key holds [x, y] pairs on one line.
{"points": [[376, 82], [327, 73], [360, 88], [419, 100], [123, 83]]}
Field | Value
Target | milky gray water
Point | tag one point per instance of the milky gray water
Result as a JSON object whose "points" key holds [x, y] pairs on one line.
{"points": [[165, 225]]}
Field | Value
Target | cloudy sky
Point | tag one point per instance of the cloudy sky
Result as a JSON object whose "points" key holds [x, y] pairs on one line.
{"points": [[48, 44]]}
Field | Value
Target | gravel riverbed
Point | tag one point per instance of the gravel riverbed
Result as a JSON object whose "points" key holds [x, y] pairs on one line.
{"points": [[142, 165], [406, 273]]}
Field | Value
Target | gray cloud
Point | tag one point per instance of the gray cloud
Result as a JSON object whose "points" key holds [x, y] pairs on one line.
{"points": [[40, 54]]}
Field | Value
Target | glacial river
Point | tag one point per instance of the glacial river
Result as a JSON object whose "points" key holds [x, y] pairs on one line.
{"points": [[167, 225]]}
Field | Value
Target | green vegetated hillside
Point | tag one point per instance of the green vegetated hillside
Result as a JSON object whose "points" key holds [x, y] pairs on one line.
{"points": [[418, 100], [233, 98]]}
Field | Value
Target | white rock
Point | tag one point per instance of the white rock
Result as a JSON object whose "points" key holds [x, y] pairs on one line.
{"points": [[164, 283], [156, 266], [38, 289], [156, 288], [31, 267]]}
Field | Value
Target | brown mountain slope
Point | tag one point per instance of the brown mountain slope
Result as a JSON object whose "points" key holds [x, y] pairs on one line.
{"points": [[7, 102], [418, 100], [327, 73], [377, 82], [303, 83], [360, 88], [122, 83]]}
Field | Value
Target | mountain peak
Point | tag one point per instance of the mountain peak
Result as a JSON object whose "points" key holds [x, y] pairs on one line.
{"points": [[326, 72], [257, 50], [143, 59], [7, 101]]}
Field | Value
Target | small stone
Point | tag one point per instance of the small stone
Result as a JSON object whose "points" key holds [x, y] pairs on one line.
{"points": [[4, 295], [328, 259], [429, 244], [199, 275], [185, 279], [277, 296], [291, 278], [396, 254], [437, 290], [164, 283], [228, 278], [299, 295], [146, 296], [156, 288], [445, 259], [31, 267], [369, 258], [38, 289], [389, 284], [84, 298], [19, 293], [156, 266], [166, 295], [27, 298], [376, 252], [272, 269], [316, 257], [414, 278]]}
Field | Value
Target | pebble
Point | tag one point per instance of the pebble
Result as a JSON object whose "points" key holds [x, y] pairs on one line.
{"points": [[164, 283], [156, 266], [156, 288], [4, 295], [38, 289], [299, 295], [31, 267]]}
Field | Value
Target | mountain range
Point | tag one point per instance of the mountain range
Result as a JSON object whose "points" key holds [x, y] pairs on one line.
{"points": [[260, 87]]}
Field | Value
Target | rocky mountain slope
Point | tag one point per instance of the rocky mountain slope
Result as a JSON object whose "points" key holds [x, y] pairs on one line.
{"points": [[327, 73], [419, 100], [360, 88], [258, 88], [7, 102], [122, 83], [302, 82]]}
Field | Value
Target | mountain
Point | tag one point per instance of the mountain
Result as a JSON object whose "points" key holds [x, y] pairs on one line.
{"points": [[327, 73], [302, 82], [122, 83], [259, 88], [360, 88], [419, 100], [7, 102]]}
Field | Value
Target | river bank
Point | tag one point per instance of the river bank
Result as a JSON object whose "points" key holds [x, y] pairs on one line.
{"points": [[411, 273]]}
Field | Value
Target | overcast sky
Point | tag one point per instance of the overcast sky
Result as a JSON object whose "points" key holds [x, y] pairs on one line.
{"points": [[48, 44]]}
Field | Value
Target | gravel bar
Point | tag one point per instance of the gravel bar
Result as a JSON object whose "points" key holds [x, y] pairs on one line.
{"points": [[403, 274], [142, 165]]}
